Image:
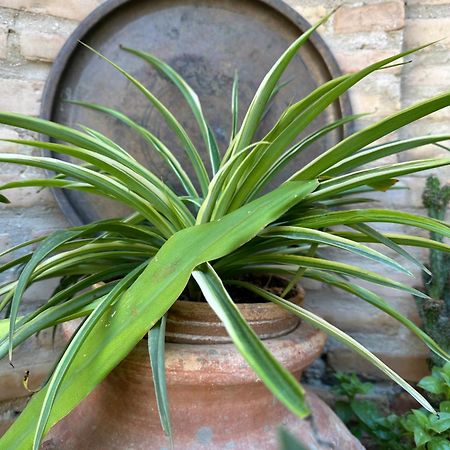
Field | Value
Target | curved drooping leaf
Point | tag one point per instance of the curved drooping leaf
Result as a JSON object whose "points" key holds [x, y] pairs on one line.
{"points": [[381, 151], [156, 143], [400, 239], [192, 100], [73, 349], [348, 217], [370, 134], [275, 377], [327, 265], [46, 247], [191, 151], [324, 238], [100, 181], [150, 188], [383, 239], [156, 350], [383, 174], [379, 303], [322, 324]]}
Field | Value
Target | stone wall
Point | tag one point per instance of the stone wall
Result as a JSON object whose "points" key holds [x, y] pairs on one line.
{"points": [[360, 32]]}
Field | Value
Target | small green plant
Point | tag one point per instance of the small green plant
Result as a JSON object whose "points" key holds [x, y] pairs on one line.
{"points": [[435, 311], [417, 429]]}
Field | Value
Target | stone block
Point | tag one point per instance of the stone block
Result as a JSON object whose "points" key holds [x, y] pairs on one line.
{"points": [[41, 46], [20, 96], [419, 31], [383, 16], [70, 9], [8, 147], [3, 42], [407, 356], [353, 61]]}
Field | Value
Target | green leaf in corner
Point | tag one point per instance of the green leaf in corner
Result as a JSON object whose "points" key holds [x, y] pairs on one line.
{"points": [[439, 444], [432, 384], [440, 422]]}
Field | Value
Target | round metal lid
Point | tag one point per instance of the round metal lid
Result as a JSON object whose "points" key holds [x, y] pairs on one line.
{"points": [[206, 42]]}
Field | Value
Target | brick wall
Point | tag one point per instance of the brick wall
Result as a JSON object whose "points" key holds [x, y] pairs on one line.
{"points": [[31, 34]]}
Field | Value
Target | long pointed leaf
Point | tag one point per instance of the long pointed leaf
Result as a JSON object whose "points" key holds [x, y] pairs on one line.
{"points": [[46, 247], [279, 381], [400, 239], [379, 303], [323, 325], [381, 151], [352, 216], [332, 266], [191, 98], [257, 106], [381, 238], [321, 237], [74, 348], [170, 119], [156, 344], [156, 143], [368, 135]]}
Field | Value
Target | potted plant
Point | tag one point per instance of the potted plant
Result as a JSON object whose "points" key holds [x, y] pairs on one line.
{"points": [[208, 237]]}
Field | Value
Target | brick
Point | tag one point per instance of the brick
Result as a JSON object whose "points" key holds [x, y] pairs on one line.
{"points": [[8, 147], [311, 13], [41, 46], [428, 2], [421, 31], [70, 9], [20, 96], [3, 42], [427, 81], [384, 16], [353, 61], [378, 104]]}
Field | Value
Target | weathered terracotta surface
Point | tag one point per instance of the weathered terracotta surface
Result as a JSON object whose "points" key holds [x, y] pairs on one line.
{"points": [[216, 402]]}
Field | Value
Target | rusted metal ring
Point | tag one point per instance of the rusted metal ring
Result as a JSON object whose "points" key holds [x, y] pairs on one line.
{"points": [[88, 26]]}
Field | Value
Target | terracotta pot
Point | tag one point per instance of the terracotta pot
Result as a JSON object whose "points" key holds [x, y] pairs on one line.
{"points": [[216, 401]]}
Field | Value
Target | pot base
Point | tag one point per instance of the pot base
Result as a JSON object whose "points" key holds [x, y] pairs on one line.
{"points": [[216, 402]]}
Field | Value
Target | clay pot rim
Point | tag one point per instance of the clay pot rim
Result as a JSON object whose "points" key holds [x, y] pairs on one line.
{"points": [[190, 322], [245, 307]]}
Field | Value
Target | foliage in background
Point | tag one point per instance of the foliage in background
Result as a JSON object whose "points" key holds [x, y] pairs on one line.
{"points": [[435, 311], [417, 429], [218, 228]]}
